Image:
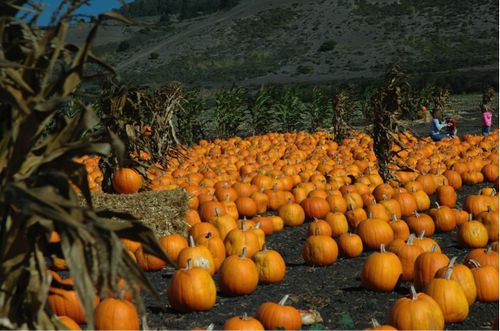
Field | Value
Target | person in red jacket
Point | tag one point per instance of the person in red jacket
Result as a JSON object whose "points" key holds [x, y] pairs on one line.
{"points": [[452, 125]]}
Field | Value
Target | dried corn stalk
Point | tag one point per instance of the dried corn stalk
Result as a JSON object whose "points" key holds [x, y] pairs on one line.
{"points": [[387, 108], [144, 120], [340, 106], [39, 72]]}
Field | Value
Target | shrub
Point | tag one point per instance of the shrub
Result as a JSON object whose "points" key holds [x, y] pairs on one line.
{"points": [[327, 46]]}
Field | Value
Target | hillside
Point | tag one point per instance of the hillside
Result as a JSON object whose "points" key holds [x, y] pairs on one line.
{"points": [[289, 41]]}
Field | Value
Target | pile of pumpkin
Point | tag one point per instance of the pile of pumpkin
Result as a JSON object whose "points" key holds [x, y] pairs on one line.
{"points": [[246, 189]]}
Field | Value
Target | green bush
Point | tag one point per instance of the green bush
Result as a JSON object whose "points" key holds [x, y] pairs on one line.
{"points": [[123, 46], [327, 46]]}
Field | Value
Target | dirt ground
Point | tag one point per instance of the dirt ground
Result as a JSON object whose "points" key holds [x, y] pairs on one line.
{"points": [[334, 291]]}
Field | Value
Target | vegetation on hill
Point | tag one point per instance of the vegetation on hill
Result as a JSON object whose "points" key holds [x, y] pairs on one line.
{"points": [[182, 8]]}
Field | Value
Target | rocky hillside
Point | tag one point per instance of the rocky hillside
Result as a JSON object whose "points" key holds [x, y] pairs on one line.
{"points": [[311, 41]]}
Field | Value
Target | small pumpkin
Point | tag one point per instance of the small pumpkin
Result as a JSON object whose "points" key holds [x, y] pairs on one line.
{"points": [[270, 266], [243, 322], [320, 250], [126, 181]]}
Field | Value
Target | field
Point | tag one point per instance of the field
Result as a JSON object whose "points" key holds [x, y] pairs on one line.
{"points": [[335, 291]]}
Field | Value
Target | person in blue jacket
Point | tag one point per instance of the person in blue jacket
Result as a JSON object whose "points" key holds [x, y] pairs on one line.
{"points": [[439, 130]]}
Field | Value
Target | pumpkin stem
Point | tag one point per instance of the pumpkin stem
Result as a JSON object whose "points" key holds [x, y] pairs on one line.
{"points": [[437, 205], [416, 213], [189, 264], [316, 232], [217, 210], [434, 248], [370, 215], [394, 217], [452, 262], [384, 196], [244, 252], [470, 217], [283, 300], [410, 239], [475, 263], [422, 234], [448, 273], [413, 293], [244, 317], [489, 249], [191, 242], [374, 323], [211, 327], [382, 248]]}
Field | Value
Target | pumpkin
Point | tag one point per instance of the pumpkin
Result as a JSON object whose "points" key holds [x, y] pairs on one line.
{"points": [[315, 207], [270, 266], [126, 181], [277, 315], [216, 247], [486, 279], [375, 325], [191, 289], [472, 234], [407, 202], [374, 232], [419, 311], [69, 324], [148, 262], [407, 254], [482, 256], [338, 223], [116, 314], [292, 214], [246, 206], [355, 217], [173, 244], [320, 227], [421, 222], [490, 172], [350, 245], [320, 250], [426, 266], [238, 275], [463, 275], [400, 228], [199, 256], [243, 322], [446, 196], [204, 228], [444, 217], [381, 271], [236, 239], [450, 297], [490, 221], [63, 299], [224, 224]]}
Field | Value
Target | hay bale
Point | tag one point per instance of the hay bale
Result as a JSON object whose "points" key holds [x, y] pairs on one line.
{"points": [[162, 211]]}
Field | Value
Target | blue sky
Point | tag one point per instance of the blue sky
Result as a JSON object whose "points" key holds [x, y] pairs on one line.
{"points": [[94, 8]]}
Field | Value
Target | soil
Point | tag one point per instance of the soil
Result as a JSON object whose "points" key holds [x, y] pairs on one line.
{"points": [[335, 291]]}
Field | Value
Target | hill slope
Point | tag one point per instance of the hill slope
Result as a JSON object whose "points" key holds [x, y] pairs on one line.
{"points": [[291, 41]]}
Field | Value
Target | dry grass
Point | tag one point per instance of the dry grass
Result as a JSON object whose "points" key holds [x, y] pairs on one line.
{"points": [[162, 211]]}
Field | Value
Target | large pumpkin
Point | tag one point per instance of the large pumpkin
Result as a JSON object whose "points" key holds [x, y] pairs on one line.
{"points": [[191, 289]]}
